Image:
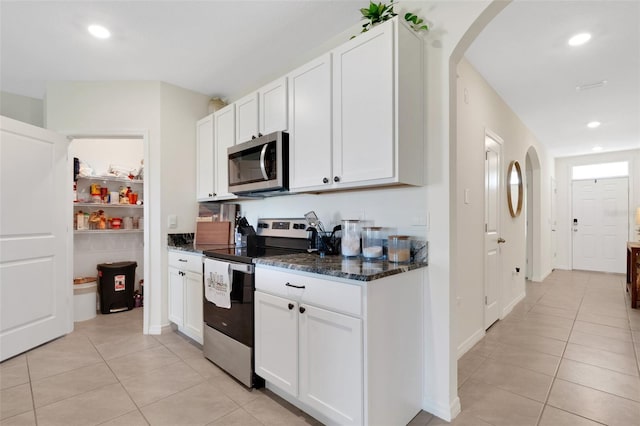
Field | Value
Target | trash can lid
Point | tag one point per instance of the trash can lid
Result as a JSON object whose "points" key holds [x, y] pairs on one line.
{"points": [[117, 265]]}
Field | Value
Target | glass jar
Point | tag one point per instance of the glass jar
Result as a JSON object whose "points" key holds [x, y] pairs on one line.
{"points": [[372, 237], [399, 250], [350, 243]]}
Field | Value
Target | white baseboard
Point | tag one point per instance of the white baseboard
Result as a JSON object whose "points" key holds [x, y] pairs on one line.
{"points": [[446, 413], [464, 347], [155, 329], [507, 309]]}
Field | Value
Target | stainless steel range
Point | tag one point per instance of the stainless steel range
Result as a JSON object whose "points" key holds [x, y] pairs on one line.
{"points": [[229, 285]]}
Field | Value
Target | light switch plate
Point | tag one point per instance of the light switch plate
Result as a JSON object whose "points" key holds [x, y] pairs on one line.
{"points": [[172, 221]]}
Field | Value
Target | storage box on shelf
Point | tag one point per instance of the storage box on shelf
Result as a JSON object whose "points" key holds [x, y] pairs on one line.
{"points": [[114, 210]]}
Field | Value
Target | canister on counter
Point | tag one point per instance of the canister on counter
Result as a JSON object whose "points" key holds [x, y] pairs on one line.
{"points": [[399, 250]]}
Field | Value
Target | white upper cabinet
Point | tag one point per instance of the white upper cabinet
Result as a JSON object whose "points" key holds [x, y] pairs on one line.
{"points": [[205, 158], [374, 133], [273, 107], [247, 118], [378, 108], [262, 112], [224, 138], [310, 161]]}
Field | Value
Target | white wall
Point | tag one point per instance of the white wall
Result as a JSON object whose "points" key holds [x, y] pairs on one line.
{"points": [[480, 109], [22, 108], [135, 108], [101, 154], [563, 200]]}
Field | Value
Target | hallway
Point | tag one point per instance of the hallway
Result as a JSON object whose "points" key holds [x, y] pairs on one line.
{"points": [[566, 355]]}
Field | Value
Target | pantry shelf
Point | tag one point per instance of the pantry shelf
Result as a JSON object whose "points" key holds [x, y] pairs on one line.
{"points": [[107, 205], [110, 231]]}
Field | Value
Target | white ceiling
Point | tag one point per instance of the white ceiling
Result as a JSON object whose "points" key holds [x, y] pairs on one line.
{"points": [[524, 55], [225, 48]]}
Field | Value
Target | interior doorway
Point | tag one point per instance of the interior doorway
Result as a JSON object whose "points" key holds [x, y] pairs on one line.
{"points": [[119, 155], [493, 200]]}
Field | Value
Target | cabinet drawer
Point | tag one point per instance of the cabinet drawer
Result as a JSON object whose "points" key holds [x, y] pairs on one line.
{"points": [[186, 261], [333, 295]]}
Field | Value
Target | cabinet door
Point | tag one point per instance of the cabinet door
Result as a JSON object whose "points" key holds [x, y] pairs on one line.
{"points": [[176, 296], [193, 318], [331, 364], [247, 118], [363, 116], [273, 107], [205, 157], [225, 121], [310, 125], [276, 341]]}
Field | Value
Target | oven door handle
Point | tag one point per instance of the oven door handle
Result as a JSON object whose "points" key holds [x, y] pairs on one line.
{"points": [[240, 267], [263, 166]]}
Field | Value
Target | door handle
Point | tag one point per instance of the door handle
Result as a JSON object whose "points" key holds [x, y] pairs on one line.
{"points": [[263, 167], [501, 240]]}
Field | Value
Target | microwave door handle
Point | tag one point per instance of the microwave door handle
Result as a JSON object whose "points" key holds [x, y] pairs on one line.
{"points": [[263, 167]]}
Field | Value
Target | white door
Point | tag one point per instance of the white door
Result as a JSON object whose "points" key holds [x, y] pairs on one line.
{"points": [[36, 289], [310, 124], [364, 105], [331, 364], [600, 223], [276, 341], [492, 239]]}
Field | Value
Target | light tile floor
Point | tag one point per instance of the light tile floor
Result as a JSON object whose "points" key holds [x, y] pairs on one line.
{"points": [[566, 355]]}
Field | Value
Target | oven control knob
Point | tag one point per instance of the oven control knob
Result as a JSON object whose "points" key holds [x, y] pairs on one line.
{"points": [[302, 309], [290, 306]]}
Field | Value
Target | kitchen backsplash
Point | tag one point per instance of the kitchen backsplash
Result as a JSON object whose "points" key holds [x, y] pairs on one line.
{"points": [[178, 240]]}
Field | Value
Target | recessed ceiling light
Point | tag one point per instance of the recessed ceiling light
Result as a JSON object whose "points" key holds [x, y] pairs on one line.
{"points": [[594, 85], [98, 31], [593, 124], [579, 39], [596, 148]]}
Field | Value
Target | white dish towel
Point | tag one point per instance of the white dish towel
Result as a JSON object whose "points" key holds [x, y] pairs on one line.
{"points": [[217, 288]]}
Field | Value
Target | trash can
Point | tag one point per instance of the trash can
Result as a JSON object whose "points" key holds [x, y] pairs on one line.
{"points": [[84, 299], [116, 282]]}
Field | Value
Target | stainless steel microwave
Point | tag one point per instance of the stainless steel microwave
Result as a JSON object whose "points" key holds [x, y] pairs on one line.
{"points": [[260, 165]]}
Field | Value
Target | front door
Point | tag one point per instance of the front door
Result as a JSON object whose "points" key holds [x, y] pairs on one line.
{"points": [[600, 223], [35, 285], [492, 194]]}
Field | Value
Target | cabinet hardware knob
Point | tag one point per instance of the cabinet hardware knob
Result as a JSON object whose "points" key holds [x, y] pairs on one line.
{"points": [[336, 178], [294, 286], [290, 306], [302, 309], [501, 240], [259, 134], [182, 260], [325, 180]]}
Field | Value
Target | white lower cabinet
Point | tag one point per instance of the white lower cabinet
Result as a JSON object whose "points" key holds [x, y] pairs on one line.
{"points": [[330, 364], [185, 293], [346, 352]]}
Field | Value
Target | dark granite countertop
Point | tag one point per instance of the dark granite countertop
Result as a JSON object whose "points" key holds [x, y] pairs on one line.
{"points": [[197, 248], [355, 268]]}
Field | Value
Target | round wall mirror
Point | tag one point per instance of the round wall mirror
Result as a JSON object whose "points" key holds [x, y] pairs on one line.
{"points": [[514, 188]]}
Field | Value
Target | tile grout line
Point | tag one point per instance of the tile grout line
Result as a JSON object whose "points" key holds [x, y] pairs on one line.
{"points": [[555, 375]]}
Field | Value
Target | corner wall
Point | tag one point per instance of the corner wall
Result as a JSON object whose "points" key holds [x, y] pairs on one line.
{"points": [[480, 109], [135, 108], [22, 108]]}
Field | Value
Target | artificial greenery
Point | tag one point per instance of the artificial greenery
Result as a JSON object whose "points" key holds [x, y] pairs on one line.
{"points": [[380, 12]]}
